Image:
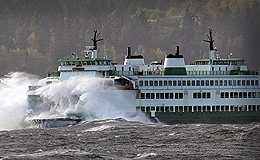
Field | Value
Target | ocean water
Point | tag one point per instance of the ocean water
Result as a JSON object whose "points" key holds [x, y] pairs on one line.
{"points": [[111, 134], [122, 139]]}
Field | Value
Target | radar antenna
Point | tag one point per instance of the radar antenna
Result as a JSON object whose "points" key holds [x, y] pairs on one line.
{"points": [[95, 40], [210, 39]]}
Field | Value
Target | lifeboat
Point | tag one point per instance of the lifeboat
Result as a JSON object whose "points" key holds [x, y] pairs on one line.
{"points": [[78, 69]]}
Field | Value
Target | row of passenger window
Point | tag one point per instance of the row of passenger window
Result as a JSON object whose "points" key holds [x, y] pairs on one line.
{"points": [[160, 96], [199, 95], [223, 108], [200, 83], [240, 94]]}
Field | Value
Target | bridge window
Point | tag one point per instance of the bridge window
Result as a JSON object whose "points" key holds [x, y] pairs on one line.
{"points": [[155, 83]]}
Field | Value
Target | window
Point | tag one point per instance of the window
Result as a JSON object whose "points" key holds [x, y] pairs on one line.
{"points": [[193, 83], [239, 82], [174, 83], [199, 95], [151, 83], [195, 108], [252, 82], [152, 108], [183, 83], [195, 95], [244, 95], [221, 83], [231, 94], [188, 83], [226, 95], [142, 96], [240, 94], [197, 83], [249, 95], [148, 95], [165, 83], [208, 108], [217, 108], [202, 83], [248, 82], [226, 108], [161, 95], [166, 95], [170, 83], [256, 82], [222, 95], [145, 83], [207, 82], [208, 94], [176, 96], [234, 83], [230, 82], [235, 94], [141, 83], [204, 95], [180, 95], [243, 82], [211, 83], [179, 83], [171, 95], [152, 95], [160, 83], [155, 83], [225, 82], [216, 82], [157, 95]]}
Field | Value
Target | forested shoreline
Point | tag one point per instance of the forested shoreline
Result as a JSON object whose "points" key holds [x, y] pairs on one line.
{"points": [[35, 34]]}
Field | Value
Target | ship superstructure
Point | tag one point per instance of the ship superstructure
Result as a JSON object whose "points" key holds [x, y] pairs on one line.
{"points": [[213, 90]]}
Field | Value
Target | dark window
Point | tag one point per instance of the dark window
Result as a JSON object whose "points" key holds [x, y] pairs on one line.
{"points": [[146, 83], [216, 82], [234, 83], [199, 108], [252, 82], [157, 95], [208, 108], [240, 95], [160, 83], [199, 95], [204, 95], [256, 82], [243, 82], [193, 83], [183, 83], [249, 95], [181, 96], [202, 83], [226, 95], [230, 82], [176, 96], [222, 95], [161, 95], [207, 82], [171, 95], [141, 83], [155, 83], [142, 96], [179, 83], [152, 95], [225, 82], [226, 108], [235, 94], [180, 108], [165, 83], [195, 95], [217, 108], [221, 83], [174, 83], [231, 94], [197, 83], [195, 109], [239, 82], [244, 95], [170, 83], [166, 95], [148, 95], [248, 82], [151, 83], [208, 94], [211, 83], [188, 83]]}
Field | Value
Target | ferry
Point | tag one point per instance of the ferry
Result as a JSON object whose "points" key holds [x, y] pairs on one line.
{"points": [[215, 90]]}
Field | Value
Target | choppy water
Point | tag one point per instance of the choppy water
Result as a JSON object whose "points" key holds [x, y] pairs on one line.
{"points": [[121, 139]]}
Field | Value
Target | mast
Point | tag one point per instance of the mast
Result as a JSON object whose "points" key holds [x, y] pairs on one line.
{"points": [[210, 39], [95, 40]]}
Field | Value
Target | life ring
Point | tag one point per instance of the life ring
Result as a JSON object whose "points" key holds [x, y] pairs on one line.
{"points": [[150, 72], [157, 72]]}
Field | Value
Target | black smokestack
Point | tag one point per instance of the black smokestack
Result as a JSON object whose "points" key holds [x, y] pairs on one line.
{"points": [[128, 51], [177, 51]]}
